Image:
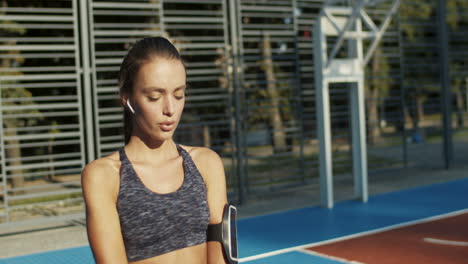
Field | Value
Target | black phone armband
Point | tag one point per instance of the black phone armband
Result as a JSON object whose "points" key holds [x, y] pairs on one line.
{"points": [[226, 233]]}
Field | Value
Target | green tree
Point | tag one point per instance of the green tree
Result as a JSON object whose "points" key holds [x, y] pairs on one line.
{"points": [[375, 89], [456, 23], [275, 118], [413, 13], [425, 11]]}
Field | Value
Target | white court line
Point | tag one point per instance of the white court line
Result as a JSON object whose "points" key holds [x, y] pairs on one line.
{"points": [[378, 230], [445, 242], [317, 254]]}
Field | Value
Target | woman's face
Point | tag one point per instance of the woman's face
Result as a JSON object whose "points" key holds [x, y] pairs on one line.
{"points": [[158, 98]]}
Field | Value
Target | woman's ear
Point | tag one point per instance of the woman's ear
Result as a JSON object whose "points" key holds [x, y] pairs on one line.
{"points": [[123, 100]]}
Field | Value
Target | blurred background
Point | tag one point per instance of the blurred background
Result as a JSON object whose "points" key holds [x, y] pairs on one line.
{"points": [[251, 97]]}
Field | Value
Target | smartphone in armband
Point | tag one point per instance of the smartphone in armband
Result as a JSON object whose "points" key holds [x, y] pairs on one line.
{"points": [[226, 233]]}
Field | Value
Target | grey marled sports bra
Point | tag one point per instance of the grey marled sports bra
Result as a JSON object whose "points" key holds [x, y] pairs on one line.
{"points": [[153, 224]]}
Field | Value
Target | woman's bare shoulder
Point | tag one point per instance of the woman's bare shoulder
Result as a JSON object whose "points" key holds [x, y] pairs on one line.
{"points": [[102, 173], [208, 162], [202, 154], [107, 164]]}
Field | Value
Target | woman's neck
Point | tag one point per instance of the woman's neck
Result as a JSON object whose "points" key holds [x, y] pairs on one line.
{"points": [[158, 151]]}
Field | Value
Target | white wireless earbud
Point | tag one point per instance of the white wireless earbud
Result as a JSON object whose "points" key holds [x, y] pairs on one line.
{"points": [[130, 107]]}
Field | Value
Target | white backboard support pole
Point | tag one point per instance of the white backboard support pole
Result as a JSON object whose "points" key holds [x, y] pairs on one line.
{"points": [[344, 23]]}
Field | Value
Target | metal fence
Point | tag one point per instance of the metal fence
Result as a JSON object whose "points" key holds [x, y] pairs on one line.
{"points": [[458, 59], [251, 96], [433, 81], [42, 132]]}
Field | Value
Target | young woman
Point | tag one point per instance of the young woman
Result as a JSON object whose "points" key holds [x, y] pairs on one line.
{"points": [[151, 201]]}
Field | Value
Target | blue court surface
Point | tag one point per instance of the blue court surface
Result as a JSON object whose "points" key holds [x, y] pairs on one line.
{"points": [[281, 237]]}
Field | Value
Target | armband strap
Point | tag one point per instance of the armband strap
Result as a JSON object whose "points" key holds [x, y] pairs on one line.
{"points": [[214, 232]]}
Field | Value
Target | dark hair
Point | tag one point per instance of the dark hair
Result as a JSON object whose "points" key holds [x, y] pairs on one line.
{"points": [[142, 52]]}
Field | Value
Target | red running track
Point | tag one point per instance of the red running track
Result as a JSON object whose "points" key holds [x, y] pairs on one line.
{"points": [[438, 241]]}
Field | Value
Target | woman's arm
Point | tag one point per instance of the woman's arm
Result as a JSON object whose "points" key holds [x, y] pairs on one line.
{"points": [[212, 169], [103, 226]]}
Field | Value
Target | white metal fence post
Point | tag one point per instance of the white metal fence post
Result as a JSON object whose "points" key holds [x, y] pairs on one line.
{"points": [[86, 73]]}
